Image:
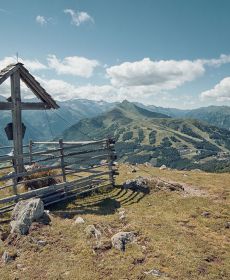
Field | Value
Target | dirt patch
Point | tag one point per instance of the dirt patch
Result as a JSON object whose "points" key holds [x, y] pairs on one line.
{"points": [[157, 184]]}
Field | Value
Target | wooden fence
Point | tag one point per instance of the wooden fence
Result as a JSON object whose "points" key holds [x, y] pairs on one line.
{"points": [[55, 171]]}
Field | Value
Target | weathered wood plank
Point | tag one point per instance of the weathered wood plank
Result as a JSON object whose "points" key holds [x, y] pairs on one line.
{"points": [[23, 106], [17, 121], [62, 159], [6, 106], [33, 106], [7, 72], [55, 187], [37, 89], [72, 143], [27, 173]]}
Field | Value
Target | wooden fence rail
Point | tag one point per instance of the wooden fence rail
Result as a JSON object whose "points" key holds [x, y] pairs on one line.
{"points": [[56, 171]]}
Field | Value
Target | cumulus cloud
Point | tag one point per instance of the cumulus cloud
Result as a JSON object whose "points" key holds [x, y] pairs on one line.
{"points": [[216, 62], [41, 20], [78, 17], [73, 65], [164, 74], [220, 92], [32, 65], [5, 90], [146, 78], [62, 90]]}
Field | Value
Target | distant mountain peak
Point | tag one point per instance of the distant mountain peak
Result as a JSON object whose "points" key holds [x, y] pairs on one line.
{"points": [[136, 111]]}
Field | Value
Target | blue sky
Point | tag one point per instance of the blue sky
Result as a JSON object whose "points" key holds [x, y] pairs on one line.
{"points": [[173, 53]]}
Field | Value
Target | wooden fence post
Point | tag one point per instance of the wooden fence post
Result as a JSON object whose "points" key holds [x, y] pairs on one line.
{"points": [[110, 160], [31, 151], [62, 159], [15, 188]]}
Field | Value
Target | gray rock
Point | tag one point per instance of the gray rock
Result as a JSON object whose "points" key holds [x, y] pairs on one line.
{"points": [[206, 214], [163, 167], [41, 242], [120, 239], [79, 220], [122, 217], [24, 213], [137, 185], [227, 225], [154, 272], [122, 214], [7, 257], [91, 231]]}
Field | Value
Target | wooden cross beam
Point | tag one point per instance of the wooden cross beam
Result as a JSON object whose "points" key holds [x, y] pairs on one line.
{"points": [[23, 106], [16, 72]]}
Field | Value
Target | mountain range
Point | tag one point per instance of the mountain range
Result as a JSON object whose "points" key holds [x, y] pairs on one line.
{"points": [[195, 138], [48, 124], [147, 136], [214, 115]]}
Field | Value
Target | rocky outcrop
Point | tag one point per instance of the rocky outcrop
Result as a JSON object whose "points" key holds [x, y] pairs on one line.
{"points": [[25, 212], [137, 185], [120, 239]]}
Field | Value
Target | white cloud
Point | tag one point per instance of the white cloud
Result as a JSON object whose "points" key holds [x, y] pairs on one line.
{"points": [[32, 65], [41, 20], [5, 90], [216, 62], [163, 74], [78, 17], [73, 65], [146, 80], [220, 92], [62, 90]]}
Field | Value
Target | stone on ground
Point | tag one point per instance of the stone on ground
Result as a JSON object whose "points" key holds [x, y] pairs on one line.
{"points": [[7, 257], [138, 185], [120, 239], [163, 167], [79, 220], [25, 213]]}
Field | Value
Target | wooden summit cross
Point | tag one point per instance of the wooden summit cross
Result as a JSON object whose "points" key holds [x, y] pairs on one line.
{"points": [[15, 105]]}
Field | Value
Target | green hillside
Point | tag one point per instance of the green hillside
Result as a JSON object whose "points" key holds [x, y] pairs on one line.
{"points": [[145, 136], [215, 115]]}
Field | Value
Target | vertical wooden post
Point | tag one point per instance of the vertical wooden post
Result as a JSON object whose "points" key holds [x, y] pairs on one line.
{"points": [[31, 151], [15, 189], [62, 159], [110, 162], [17, 122]]}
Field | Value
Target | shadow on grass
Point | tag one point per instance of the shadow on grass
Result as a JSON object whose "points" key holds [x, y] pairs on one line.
{"points": [[96, 204]]}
